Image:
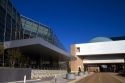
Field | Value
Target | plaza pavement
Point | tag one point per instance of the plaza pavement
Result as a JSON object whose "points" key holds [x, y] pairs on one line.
{"points": [[90, 78], [103, 78]]}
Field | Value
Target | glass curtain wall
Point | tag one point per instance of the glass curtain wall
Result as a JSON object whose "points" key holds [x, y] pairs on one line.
{"points": [[12, 27], [10, 22], [16, 27], [33, 29]]}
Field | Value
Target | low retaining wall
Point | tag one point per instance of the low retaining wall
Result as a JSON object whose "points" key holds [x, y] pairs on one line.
{"points": [[14, 74], [41, 74]]}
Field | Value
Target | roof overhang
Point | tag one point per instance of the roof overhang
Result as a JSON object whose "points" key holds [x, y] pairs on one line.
{"points": [[34, 46], [101, 48]]}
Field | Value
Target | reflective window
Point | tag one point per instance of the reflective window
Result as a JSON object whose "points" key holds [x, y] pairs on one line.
{"points": [[78, 49], [3, 3], [9, 8], [33, 29]]}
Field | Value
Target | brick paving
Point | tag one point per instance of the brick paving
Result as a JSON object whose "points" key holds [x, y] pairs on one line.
{"points": [[103, 78]]}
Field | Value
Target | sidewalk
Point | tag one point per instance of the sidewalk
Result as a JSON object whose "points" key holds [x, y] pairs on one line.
{"points": [[79, 78], [118, 77], [52, 80], [48, 80]]}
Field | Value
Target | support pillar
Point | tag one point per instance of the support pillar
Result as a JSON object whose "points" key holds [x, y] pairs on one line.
{"points": [[76, 62]]}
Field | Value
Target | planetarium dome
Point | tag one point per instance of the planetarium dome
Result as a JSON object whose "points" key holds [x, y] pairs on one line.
{"points": [[100, 39]]}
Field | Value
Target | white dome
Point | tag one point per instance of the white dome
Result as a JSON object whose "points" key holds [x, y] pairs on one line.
{"points": [[100, 39]]}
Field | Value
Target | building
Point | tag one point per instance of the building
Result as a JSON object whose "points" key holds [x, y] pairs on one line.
{"points": [[37, 45], [100, 54]]}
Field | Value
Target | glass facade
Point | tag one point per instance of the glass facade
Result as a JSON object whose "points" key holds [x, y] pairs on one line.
{"points": [[15, 27], [10, 22], [33, 29]]}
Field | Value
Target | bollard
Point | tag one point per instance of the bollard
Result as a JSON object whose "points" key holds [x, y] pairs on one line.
{"points": [[55, 79], [24, 78]]}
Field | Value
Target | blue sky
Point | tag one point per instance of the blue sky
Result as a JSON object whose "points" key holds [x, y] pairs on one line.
{"points": [[77, 21]]}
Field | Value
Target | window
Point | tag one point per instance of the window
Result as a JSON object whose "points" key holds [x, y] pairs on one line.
{"points": [[78, 49]]}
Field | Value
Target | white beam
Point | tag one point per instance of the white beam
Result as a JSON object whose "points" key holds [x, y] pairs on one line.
{"points": [[33, 41], [109, 47], [103, 61]]}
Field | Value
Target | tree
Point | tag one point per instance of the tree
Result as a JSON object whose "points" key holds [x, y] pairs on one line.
{"points": [[2, 52], [14, 55], [71, 58], [23, 60], [68, 68], [1, 49], [79, 69]]}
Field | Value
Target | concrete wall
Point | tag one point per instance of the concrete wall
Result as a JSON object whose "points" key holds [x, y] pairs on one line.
{"points": [[33, 41], [98, 48], [41, 74], [14, 74], [117, 58]]}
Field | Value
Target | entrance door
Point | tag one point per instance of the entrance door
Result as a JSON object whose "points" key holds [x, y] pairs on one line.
{"points": [[103, 67]]}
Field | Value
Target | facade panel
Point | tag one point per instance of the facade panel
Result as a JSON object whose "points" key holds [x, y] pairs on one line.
{"points": [[9, 21], [15, 27], [110, 47], [100, 55], [32, 29]]}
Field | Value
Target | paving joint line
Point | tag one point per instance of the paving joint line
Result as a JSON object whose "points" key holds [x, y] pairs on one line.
{"points": [[117, 78]]}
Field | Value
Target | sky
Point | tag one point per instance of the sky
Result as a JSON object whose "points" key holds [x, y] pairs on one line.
{"points": [[77, 21]]}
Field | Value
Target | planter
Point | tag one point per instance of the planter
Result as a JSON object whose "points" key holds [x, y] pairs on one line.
{"points": [[86, 73], [80, 73], [70, 76]]}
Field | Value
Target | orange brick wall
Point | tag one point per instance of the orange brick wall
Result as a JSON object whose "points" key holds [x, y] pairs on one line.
{"points": [[78, 62]]}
